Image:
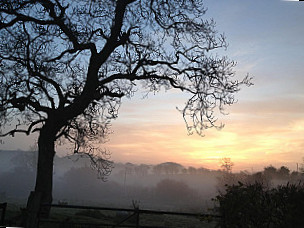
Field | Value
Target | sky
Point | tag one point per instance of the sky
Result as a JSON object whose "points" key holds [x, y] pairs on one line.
{"points": [[265, 127]]}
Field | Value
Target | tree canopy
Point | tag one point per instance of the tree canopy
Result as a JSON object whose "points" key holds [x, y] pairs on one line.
{"points": [[65, 65], [72, 61]]}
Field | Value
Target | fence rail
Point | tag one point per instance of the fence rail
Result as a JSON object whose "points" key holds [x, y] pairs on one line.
{"points": [[141, 211], [133, 213]]}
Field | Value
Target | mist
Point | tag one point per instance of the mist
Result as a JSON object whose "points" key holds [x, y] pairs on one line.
{"points": [[167, 186]]}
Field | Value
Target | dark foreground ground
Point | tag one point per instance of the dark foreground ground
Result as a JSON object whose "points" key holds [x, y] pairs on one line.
{"points": [[70, 217]]}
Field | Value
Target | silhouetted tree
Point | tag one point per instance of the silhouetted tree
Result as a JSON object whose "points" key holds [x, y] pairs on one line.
{"points": [[192, 170], [129, 168], [142, 169], [270, 172], [227, 165], [65, 65], [258, 177], [226, 176], [167, 168], [202, 170], [296, 177], [283, 172]]}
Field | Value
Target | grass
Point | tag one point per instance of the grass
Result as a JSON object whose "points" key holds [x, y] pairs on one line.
{"points": [[108, 217], [65, 217]]}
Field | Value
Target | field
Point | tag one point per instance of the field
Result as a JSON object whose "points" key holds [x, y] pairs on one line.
{"points": [[74, 217]]}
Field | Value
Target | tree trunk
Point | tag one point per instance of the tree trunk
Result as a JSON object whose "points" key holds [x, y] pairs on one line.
{"points": [[44, 180]]}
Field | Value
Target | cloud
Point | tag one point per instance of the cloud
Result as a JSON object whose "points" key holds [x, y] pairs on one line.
{"points": [[261, 125], [275, 106]]}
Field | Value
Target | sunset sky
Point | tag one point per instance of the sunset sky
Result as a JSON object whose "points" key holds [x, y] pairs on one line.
{"points": [[265, 127]]}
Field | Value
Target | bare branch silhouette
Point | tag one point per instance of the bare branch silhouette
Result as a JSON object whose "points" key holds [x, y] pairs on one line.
{"points": [[65, 65]]}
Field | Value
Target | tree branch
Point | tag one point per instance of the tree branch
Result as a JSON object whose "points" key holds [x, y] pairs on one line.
{"points": [[27, 132]]}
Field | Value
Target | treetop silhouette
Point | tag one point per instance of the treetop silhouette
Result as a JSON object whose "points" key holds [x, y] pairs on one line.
{"points": [[65, 65]]}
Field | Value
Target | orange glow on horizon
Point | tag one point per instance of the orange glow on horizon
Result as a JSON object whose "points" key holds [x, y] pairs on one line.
{"points": [[249, 144]]}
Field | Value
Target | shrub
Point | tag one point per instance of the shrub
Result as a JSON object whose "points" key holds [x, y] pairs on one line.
{"points": [[254, 205]]}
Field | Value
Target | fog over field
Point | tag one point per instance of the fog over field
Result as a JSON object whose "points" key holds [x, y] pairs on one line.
{"points": [[167, 186], [163, 187]]}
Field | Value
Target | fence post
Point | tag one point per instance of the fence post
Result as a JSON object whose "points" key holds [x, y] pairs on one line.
{"points": [[3, 206], [33, 208], [137, 217]]}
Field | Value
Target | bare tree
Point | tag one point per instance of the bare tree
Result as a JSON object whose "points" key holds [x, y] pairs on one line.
{"points": [[227, 165], [65, 65]]}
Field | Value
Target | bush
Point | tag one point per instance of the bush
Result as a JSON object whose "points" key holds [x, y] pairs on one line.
{"points": [[254, 205]]}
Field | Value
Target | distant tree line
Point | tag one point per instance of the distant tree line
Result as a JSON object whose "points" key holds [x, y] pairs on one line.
{"points": [[166, 168], [161, 186], [270, 176]]}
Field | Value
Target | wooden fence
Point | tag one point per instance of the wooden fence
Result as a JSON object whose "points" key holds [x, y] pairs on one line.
{"points": [[130, 215]]}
